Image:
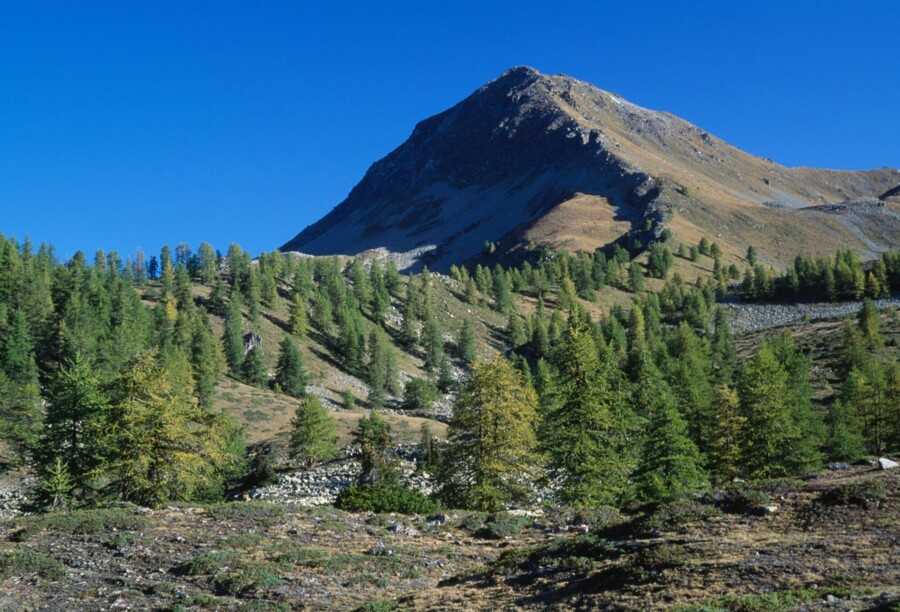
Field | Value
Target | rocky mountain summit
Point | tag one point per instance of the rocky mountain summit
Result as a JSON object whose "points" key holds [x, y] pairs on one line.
{"points": [[531, 159]]}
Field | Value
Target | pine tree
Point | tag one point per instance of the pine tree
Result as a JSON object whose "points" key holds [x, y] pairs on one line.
{"points": [[55, 488], [466, 342], [724, 356], [635, 278], [585, 424], [362, 288], [233, 338], [381, 373], [845, 440], [770, 429], [75, 424], [433, 342], [323, 313], [491, 441], [751, 255], [313, 433], [446, 381], [690, 380], [208, 264], [20, 416], [727, 435], [290, 374], [373, 435], [17, 351], [207, 360], [869, 324], [502, 290], [670, 464], [253, 370]]}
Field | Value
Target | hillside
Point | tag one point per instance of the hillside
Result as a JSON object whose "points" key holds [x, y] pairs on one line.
{"points": [[827, 543], [530, 159]]}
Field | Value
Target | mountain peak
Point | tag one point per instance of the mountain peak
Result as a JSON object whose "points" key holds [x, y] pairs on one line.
{"points": [[530, 159]]}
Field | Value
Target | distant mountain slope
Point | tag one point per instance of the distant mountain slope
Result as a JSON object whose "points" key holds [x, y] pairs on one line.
{"points": [[534, 159]]}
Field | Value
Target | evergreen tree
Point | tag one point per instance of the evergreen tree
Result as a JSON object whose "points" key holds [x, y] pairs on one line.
{"points": [[233, 338], [253, 369], [410, 329], [491, 439], [298, 319], [690, 379], [164, 447], [381, 373], [373, 435], [75, 425], [751, 255], [466, 342], [290, 374], [207, 360], [845, 440], [727, 436], [17, 355], [433, 342], [445, 378], [313, 433], [55, 488], [502, 290], [323, 313], [208, 264], [770, 431], [670, 464], [585, 424]]}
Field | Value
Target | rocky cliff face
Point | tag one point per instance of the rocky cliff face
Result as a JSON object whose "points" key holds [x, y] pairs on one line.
{"points": [[533, 159]]}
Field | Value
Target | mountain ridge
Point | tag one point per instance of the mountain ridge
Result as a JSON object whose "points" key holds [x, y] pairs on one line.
{"points": [[531, 159]]}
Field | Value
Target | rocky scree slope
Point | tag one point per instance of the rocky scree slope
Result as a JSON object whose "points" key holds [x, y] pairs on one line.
{"points": [[532, 159]]}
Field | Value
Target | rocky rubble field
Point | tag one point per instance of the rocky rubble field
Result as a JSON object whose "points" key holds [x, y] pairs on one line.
{"points": [[746, 317], [831, 542]]}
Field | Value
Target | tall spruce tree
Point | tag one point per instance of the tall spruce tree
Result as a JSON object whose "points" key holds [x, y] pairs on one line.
{"points": [[233, 338], [770, 428], [466, 342], [585, 424], [290, 374], [313, 433], [669, 466], [724, 457], [253, 370]]}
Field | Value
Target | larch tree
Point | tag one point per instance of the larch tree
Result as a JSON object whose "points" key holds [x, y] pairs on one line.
{"points": [[290, 374], [490, 456], [670, 466], [165, 447], [313, 432]]}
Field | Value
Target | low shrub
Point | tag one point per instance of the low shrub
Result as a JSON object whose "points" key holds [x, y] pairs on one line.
{"points": [[864, 493], [661, 556], [246, 578], [741, 499], [29, 562], [675, 515], [384, 497], [247, 511], [82, 522], [779, 486], [501, 525], [206, 564]]}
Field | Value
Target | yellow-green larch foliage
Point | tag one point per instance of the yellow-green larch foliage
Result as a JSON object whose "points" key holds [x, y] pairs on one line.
{"points": [[491, 454], [166, 446]]}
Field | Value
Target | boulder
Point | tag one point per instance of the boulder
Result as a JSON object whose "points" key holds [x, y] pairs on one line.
{"points": [[886, 464]]}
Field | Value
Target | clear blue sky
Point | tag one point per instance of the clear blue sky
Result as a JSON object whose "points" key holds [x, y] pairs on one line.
{"points": [[126, 125]]}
